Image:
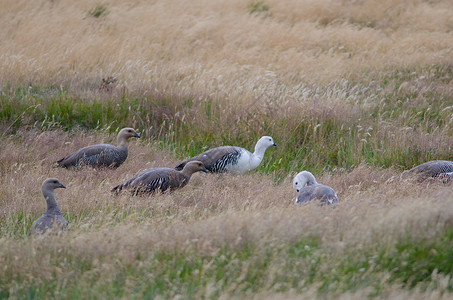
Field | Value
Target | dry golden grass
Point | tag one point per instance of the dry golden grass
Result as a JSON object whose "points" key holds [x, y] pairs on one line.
{"points": [[220, 48], [211, 213], [372, 65]]}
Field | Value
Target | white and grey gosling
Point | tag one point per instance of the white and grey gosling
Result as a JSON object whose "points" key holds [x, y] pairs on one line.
{"points": [[52, 217], [232, 159], [100, 155], [430, 169], [309, 189], [152, 180]]}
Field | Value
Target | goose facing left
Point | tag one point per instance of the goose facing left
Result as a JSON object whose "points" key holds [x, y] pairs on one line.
{"points": [[101, 155], [52, 217], [309, 189]]}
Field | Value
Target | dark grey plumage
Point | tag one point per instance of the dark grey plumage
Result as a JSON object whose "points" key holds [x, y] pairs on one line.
{"points": [[430, 169], [232, 159], [152, 180], [101, 155], [215, 159], [309, 189], [52, 217]]}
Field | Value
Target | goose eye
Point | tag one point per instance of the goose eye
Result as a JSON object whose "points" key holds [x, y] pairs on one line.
{"points": [[270, 140], [296, 183]]}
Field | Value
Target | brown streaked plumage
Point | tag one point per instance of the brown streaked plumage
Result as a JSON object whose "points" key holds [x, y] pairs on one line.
{"points": [[52, 217], [152, 180], [100, 155]]}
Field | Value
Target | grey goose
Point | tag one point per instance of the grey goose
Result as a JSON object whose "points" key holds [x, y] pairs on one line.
{"points": [[52, 217], [430, 169], [100, 155], [160, 179]]}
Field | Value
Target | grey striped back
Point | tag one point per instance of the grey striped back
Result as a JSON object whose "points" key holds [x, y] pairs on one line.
{"points": [[433, 169]]}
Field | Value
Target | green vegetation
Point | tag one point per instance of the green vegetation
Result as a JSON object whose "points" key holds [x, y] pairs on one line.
{"points": [[273, 267], [258, 7], [99, 10], [388, 130], [353, 91]]}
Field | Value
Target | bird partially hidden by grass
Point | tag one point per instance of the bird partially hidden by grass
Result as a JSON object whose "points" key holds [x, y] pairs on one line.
{"points": [[52, 219], [100, 155], [160, 179], [232, 159], [309, 189]]}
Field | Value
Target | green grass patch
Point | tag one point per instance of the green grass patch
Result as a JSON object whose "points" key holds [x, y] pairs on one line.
{"points": [[319, 142], [100, 10], [244, 270]]}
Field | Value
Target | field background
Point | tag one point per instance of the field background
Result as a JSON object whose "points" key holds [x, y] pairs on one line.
{"points": [[353, 91]]}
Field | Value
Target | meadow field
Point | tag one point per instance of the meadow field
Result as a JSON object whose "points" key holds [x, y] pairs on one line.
{"points": [[353, 91]]}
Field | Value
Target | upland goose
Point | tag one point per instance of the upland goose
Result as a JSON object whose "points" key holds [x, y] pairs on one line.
{"points": [[430, 169], [151, 180], [100, 155], [52, 218], [232, 159], [308, 189]]}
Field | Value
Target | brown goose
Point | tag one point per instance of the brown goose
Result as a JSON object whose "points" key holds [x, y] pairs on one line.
{"points": [[308, 189], [151, 180], [232, 159], [101, 155], [52, 217], [430, 169]]}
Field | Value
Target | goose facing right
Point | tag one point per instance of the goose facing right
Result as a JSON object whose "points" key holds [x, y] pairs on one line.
{"points": [[232, 159], [155, 179], [309, 189], [100, 155], [52, 217]]}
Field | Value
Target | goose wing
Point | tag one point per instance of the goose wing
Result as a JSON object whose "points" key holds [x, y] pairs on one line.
{"points": [[95, 155], [148, 181], [215, 159]]}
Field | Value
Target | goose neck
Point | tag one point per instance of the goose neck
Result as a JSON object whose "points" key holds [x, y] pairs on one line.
{"points": [[50, 200]]}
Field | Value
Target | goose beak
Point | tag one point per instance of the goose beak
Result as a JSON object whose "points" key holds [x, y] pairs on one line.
{"points": [[297, 191], [136, 135], [274, 145], [204, 170], [61, 186]]}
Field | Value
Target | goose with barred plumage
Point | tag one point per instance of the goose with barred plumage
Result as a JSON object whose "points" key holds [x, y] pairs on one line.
{"points": [[309, 189], [100, 155], [232, 159], [430, 169], [152, 180], [52, 217]]}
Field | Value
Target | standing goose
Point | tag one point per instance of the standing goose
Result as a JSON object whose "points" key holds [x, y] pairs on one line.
{"points": [[100, 155], [151, 180], [52, 217], [308, 188], [430, 169], [232, 159]]}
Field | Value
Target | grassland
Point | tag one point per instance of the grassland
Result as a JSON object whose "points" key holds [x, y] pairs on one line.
{"points": [[354, 91]]}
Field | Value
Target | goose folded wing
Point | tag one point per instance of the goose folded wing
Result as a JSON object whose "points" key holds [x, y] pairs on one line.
{"points": [[95, 154], [211, 157]]}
